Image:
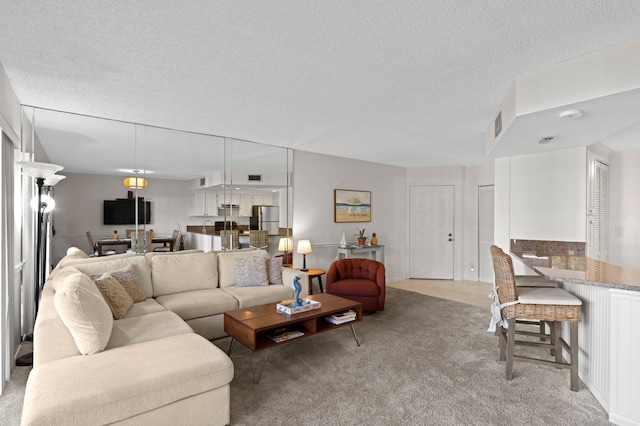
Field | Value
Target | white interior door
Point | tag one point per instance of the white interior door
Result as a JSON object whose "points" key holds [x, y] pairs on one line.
{"points": [[431, 232], [485, 233]]}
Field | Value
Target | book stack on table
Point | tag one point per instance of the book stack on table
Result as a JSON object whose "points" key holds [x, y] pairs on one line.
{"points": [[341, 317]]}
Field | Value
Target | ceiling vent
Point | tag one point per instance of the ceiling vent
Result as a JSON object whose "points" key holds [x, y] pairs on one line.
{"points": [[545, 140], [255, 178], [498, 124], [202, 181]]}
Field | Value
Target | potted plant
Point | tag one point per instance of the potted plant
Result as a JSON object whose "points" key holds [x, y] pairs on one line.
{"points": [[362, 240]]}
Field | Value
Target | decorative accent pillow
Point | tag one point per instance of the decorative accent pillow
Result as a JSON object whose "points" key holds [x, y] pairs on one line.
{"points": [[116, 296], [128, 279], [85, 313], [251, 272], [274, 269]]}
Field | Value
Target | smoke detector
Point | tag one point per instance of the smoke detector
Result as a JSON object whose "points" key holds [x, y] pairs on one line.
{"points": [[570, 114]]}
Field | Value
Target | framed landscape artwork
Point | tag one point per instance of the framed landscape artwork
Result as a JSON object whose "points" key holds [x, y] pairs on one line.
{"points": [[351, 206]]}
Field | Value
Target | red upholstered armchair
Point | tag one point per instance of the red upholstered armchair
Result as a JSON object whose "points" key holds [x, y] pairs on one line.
{"points": [[362, 280]]}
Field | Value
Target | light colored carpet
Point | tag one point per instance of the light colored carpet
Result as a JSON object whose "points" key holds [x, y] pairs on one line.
{"points": [[423, 361]]}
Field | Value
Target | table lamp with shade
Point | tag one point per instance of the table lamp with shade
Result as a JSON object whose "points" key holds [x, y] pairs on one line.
{"points": [[285, 245], [304, 248]]}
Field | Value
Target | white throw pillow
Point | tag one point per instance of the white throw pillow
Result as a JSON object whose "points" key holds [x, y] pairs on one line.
{"points": [[85, 313], [274, 268], [251, 272]]}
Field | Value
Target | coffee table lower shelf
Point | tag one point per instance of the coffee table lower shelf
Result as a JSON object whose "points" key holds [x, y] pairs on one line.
{"points": [[253, 326]]}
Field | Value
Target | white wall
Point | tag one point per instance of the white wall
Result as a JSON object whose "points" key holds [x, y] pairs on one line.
{"points": [[548, 196], [624, 209], [315, 178], [540, 197], [79, 200], [474, 177]]}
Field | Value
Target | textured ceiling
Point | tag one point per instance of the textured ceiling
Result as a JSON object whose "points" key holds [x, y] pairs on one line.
{"points": [[408, 83]]}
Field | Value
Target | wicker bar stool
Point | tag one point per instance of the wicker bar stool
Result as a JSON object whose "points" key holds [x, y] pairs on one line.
{"points": [[551, 305]]}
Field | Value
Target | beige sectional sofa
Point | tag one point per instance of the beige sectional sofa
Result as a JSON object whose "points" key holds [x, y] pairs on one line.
{"points": [[154, 365]]}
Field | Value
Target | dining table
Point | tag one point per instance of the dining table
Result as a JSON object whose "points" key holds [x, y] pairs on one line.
{"points": [[166, 241]]}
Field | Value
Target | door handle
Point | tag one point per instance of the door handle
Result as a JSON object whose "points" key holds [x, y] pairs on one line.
{"points": [[450, 239]]}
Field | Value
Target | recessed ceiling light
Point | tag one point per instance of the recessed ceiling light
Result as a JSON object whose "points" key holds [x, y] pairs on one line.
{"points": [[570, 114]]}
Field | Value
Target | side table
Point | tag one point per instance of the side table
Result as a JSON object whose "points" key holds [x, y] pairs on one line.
{"points": [[314, 273]]}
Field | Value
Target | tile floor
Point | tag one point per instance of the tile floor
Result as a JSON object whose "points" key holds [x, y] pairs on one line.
{"points": [[470, 292]]}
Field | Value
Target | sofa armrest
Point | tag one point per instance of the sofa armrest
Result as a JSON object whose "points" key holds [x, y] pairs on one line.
{"points": [[289, 274]]}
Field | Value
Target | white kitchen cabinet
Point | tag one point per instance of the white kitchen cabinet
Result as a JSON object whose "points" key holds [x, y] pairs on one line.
{"points": [[204, 204], [262, 200], [246, 201]]}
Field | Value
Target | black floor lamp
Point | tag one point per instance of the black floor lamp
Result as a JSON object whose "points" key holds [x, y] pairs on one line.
{"points": [[42, 204]]}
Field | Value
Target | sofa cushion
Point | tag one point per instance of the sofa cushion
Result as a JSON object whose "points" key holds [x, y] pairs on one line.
{"points": [[103, 389], [198, 303], [116, 296], [226, 264], [76, 252], [158, 325], [116, 263], [274, 269], [176, 273], [251, 271], [128, 279], [85, 313], [149, 306], [252, 296]]}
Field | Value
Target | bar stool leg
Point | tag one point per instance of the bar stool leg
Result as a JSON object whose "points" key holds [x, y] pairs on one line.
{"points": [[511, 336], [557, 335], [574, 356], [502, 342]]}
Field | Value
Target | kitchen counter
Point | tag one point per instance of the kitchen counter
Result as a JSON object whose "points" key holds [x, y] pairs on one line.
{"points": [[609, 332], [566, 261]]}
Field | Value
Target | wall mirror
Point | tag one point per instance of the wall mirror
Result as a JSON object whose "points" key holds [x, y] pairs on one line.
{"points": [[193, 181]]}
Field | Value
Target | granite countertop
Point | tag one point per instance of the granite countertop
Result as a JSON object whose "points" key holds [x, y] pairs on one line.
{"points": [[582, 270]]}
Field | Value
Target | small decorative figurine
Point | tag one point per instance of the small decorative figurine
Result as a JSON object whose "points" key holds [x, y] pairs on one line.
{"points": [[298, 289], [115, 234], [343, 240], [374, 239]]}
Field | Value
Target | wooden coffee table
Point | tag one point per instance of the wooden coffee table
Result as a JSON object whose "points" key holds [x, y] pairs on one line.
{"points": [[252, 326]]}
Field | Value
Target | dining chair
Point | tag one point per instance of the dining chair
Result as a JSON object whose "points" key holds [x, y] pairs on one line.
{"points": [[519, 305], [235, 239], [173, 245], [94, 247], [141, 241], [259, 239]]}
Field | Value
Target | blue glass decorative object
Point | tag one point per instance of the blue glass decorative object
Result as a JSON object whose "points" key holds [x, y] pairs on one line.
{"points": [[297, 288]]}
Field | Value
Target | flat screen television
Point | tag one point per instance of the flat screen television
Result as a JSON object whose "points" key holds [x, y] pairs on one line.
{"points": [[123, 212]]}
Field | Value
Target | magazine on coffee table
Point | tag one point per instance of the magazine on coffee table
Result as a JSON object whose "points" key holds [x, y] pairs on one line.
{"points": [[341, 317], [282, 335]]}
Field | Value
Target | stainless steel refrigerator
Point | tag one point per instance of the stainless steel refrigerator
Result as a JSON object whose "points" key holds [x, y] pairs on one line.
{"points": [[266, 217]]}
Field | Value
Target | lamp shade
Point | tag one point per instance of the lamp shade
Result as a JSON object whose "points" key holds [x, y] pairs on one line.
{"points": [[39, 170], [285, 244], [135, 182], [304, 247], [53, 180]]}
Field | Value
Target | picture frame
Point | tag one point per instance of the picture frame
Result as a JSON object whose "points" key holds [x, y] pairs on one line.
{"points": [[351, 206]]}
